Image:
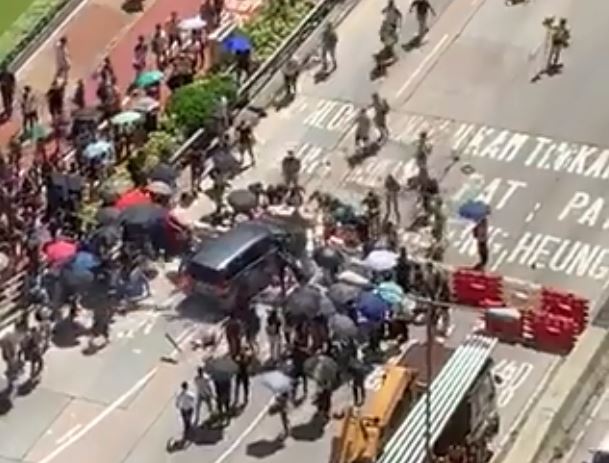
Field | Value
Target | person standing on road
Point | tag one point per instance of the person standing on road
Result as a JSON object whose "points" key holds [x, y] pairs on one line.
{"points": [[291, 70], [290, 168], [140, 53], [242, 379], [329, 41], [173, 30], [392, 190], [480, 233], [273, 333], [29, 109], [185, 403], [281, 406], [422, 152], [205, 394], [62, 59], [362, 129], [422, 8], [223, 392], [381, 109], [8, 82]]}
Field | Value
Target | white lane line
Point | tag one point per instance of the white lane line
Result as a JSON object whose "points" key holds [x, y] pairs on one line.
{"points": [[239, 440], [68, 434], [99, 418], [423, 64], [52, 36]]}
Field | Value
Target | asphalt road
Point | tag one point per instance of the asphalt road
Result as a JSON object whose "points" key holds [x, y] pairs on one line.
{"points": [[538, 155]]}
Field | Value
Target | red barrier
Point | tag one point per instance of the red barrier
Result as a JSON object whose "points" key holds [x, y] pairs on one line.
{"points": [[553, 332], [566, 305], [477, 289]]}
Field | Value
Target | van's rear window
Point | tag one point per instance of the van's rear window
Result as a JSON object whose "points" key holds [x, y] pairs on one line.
{"points": [[205, 274]]}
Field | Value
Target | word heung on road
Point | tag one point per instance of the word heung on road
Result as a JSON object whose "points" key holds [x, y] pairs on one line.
{"points": [[518, 174]]}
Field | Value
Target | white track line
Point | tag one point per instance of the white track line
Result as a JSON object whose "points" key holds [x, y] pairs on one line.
{"points": [[436, 50]]}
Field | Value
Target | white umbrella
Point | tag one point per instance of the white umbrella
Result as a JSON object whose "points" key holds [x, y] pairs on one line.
{"points": [[381, 260], [159, 188], [192, 24], [277, 381]]}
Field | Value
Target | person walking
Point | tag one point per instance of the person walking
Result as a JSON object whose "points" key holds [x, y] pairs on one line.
{"points": [[362, 129], [245, 141], [358, 389], [392, 190], [233, 330], [32, 352], [299, 356], [329, 42], [422, 8], [140, 53], [291, 71], [8, 82], [422, 152], [62, 59], [281, 405], [159, 45], [560, 37], [381, 109], [185, 403], [205, 394], [392, 15], [223, 395], [79, 95]]}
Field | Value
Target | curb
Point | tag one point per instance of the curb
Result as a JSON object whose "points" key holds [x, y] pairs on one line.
{"points": [[553, 419]]}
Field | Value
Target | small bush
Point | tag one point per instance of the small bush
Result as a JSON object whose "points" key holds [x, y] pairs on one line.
{"points": [[193, 106]]}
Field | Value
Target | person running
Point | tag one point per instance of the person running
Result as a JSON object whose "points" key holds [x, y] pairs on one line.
{"points": [[185, 403], [422, 8], [381, 109], [329, 41]]}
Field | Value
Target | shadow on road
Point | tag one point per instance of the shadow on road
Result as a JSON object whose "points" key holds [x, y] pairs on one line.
{"points": [[264, 448], [311, 431]]}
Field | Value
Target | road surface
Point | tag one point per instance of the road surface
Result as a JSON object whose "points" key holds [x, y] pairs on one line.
{"points": [[540, 151]]}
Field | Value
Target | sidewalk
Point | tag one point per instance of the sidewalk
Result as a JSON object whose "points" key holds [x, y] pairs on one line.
{"points": [[96, 29]]}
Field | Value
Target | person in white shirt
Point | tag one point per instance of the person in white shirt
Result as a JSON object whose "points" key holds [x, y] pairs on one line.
{"points": [[62, 59], [205, 394], [185, 403]]}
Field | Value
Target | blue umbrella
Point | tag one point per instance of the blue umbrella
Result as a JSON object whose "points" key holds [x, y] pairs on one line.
{"points": [[474, 210], [237, 43], [97, 150], [84, 261], [372, 307]]}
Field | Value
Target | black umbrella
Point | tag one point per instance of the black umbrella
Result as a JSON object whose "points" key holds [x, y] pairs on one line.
{"points": [[328, 258], [221, 368], [142, 215], [107, 215], [321, 368], [242, 200], [108, 235], [303, 302], [163, 173], [343, 294], [76, 279], [342, 327]]}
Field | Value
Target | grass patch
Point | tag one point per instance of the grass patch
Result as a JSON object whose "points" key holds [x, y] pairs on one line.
{"points": [[21, 21]]}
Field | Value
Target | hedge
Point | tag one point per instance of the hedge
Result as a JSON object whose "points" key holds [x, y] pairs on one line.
{"points": [[27, 27]]}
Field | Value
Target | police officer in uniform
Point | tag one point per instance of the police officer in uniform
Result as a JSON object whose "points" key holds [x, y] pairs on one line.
{"points": [[290, 167], [559, 39]]}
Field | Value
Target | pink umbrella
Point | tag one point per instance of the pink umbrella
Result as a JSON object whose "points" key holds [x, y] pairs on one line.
{"points": [[59, 251]]}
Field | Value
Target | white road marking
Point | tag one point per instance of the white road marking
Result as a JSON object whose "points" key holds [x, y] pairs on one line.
{"points": [[137, 351], [99, 418], [239, 440], [51, 38], [423, 64], [68, 434]]}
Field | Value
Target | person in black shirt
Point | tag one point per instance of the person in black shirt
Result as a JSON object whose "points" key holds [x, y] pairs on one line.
{"points": [[245, 137], [7, 90], [422, 9]]}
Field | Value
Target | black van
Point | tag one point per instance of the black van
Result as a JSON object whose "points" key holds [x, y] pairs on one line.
{"points": [[238, 264]]}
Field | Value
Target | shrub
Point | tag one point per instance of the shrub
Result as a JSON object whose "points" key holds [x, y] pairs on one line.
{"points": [[192, 106], [160, 145]]}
